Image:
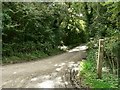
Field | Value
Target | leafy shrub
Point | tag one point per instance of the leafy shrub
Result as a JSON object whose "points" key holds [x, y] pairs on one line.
{"points": [[112, 51]]}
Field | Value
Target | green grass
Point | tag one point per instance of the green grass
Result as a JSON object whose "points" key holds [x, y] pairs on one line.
{"points": [[24, 57], [107, 81], [89, 76]]}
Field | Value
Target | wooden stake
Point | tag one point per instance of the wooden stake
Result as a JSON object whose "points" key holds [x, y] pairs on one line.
{"points": [[100, 58]]}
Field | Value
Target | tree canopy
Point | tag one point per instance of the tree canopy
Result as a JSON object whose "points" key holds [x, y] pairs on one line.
{"points": [[31, 26]]}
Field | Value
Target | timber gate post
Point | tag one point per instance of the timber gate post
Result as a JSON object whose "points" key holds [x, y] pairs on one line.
{"points": [[100, 58]]}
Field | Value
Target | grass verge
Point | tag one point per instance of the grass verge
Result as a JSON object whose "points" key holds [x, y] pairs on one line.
{"points": [[89, 76]]}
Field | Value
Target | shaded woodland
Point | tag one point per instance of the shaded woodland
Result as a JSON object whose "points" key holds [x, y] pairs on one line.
{"points": [[36, 30]]}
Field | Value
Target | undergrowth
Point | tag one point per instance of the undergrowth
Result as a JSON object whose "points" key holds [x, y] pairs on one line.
{"points": [[34, 55], [89, 76]]}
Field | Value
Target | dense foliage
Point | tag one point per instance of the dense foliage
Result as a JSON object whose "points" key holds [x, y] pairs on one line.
{"points": [[36, 27], [103, 23], [29, 27]]}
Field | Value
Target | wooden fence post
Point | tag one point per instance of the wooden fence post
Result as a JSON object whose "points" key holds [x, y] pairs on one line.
{"points": [[100, 58]]}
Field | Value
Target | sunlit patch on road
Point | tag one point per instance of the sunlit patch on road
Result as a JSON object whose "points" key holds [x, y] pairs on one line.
{"points": [[58, 69], [66, 83], [46, 76], [65, 48], [22, 81], [46, 84], [62, 64], [58, 79], [7, 82], [55, 65], [54, 74], [34, 79], [71, 62], [79, 48], [14, 72]]}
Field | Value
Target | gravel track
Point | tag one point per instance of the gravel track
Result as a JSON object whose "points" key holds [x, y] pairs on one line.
{"points": [[45, 73]]}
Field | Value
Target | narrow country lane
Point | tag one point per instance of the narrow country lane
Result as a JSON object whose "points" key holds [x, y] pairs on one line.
{"points": [[45, 73]]}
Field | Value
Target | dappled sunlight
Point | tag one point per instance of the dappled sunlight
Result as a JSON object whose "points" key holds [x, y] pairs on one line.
{"points": [[62, 64], [81, 65], [54, 73], [14, 72], [58, 69], [34, 79], [50, 83], [56, 65], [7, 82], [74, 50], [46, 84], [46, 76], [71, 64], [64, 48], [105, 69], [22, 81], [79, 48], [58, 80]]}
